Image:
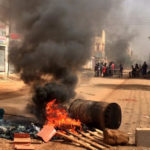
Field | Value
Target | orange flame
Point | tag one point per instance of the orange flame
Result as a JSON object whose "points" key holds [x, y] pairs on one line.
{"points": [[58, 117]]}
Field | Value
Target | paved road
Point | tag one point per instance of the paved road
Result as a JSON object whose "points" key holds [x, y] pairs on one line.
{"points": [[134, 97], [132, 94]]}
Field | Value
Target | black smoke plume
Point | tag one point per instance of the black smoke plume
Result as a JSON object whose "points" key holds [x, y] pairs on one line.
{"points": [[56, 43]]}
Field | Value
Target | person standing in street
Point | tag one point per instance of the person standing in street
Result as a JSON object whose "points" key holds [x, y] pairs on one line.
{"points": [[112, 68], [121, 71], [144, 68]]}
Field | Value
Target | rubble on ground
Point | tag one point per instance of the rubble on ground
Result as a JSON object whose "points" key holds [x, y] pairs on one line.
{"points": [[8, 128]]}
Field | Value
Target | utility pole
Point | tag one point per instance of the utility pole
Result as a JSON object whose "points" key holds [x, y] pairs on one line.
{"points": [[149, 59], [8, 28], [6, 51]]}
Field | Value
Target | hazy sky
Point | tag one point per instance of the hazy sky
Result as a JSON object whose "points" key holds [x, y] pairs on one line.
{"points": [[138, 18]]}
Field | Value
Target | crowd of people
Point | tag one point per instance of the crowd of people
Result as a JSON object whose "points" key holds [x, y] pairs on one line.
{"points": [[139, 70], [110, 69], [107, 70]]}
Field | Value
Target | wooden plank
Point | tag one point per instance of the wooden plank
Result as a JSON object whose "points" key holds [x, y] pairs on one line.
{"points": [[95, 134], [95, 139], [100, 147], [99, 131], [82, 143]]}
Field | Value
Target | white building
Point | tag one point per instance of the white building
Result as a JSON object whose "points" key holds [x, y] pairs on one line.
{"points": [[98, 51], [3, 44]]}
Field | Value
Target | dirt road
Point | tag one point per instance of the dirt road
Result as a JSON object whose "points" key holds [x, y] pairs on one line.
{"points": [[132, 94]]}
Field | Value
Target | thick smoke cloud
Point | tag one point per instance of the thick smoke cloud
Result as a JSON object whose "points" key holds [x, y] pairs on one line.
{"points": [[56, 43], [120, 36], [57, 36], [118, 51], [138, 14]]}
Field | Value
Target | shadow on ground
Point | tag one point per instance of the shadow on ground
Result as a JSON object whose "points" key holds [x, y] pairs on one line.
{"points": [[125, 86], [11, 94]]}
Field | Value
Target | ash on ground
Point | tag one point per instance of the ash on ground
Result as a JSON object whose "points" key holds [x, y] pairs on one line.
{"points": [[8, 128]]}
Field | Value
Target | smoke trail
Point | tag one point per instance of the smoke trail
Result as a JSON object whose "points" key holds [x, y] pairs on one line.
{"points": [[120, 36], [118, 49], [56, 43]]}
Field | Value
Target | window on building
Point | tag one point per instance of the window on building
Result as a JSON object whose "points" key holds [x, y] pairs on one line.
{"points": [[2, 47]]}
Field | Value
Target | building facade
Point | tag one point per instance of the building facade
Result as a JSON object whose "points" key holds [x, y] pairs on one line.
{"points": [[98, 51], [3, 44]]}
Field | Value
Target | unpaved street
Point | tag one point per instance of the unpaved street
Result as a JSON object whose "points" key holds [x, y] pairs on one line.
{"points": [[132, 94]]}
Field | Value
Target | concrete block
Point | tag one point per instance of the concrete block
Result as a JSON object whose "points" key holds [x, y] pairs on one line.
{"points": [[24, 147], [22, 141], [142, 137]]}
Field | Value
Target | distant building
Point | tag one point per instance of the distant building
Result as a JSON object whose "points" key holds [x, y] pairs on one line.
{"points": [[99, 46], [98, 51], [3, 44], [8, 35], [130, 52]]}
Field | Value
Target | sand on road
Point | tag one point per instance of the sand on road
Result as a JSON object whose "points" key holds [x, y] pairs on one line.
{"points": [[131, 94]]}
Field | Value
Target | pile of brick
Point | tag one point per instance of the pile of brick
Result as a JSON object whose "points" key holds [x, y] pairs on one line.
{"points": [[22, 141]]}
